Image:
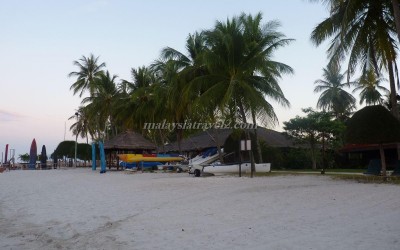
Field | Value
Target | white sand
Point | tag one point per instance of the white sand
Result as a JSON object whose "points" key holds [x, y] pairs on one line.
{"points": [[81, 209]]}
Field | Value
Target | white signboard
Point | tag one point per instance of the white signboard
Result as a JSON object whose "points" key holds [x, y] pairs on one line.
{"points": [[245, 145]]}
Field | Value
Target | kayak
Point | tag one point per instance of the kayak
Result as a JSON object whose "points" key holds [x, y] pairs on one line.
{"points": [[147, 158]]}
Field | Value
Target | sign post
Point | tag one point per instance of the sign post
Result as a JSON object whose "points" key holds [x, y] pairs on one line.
{"points": [[245, 145]]}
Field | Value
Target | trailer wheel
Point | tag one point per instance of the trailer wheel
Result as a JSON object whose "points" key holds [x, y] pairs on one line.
{"points": [[197, 173], [179, 170]]}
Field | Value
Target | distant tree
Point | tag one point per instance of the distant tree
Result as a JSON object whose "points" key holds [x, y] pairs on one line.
{"points": [[370, 89], [89, 71], [24, 157], [65, 149], [316, 129], [333, 97], [362, 31]]}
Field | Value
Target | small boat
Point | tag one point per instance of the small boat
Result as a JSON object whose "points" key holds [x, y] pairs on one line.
{"points": [[234, 168]]}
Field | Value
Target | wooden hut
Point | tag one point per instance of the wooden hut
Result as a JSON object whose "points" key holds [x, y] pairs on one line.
{"points": [[125, 143]]}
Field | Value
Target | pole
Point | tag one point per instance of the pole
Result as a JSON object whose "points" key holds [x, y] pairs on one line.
{"points": [[76, 140]]}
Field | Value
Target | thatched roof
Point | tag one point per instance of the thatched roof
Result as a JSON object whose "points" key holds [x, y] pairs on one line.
{"points": [[208, 138], [373, 124], [129, 140]]}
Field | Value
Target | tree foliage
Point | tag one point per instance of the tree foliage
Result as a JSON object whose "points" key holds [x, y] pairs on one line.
{"points": [[315, 130], [67, 149], [362, 31], [226, 73]]}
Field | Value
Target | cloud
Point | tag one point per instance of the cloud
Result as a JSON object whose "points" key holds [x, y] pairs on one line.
{"points": [[6, 116]]}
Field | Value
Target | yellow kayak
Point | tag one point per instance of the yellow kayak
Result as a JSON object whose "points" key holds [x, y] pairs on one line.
{"points": [[139, 157]]}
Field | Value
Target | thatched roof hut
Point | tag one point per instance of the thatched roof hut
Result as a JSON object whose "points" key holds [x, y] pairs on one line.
{"points": [[209, 138], [373, 125], [129, 141]]}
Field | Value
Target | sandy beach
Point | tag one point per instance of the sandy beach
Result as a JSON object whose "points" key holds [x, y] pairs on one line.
{"points": [[82, 209]]}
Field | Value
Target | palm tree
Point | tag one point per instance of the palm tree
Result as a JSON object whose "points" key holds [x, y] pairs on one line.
{"points": [[82, 125], [364, 30], [141, 77], [101, 105], [177, 70], [333, 97], [241, 72], [396, 14], [369, 86], [89, 71]]}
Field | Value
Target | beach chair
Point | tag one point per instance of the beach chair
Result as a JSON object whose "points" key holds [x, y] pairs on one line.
{"points": [[396, 171], [374, 167]]}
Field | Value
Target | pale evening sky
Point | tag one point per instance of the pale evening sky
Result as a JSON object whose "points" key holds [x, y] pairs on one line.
{"points": [[41, 38]]}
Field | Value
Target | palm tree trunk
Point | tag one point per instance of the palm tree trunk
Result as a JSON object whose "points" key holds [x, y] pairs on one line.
{"points": [[218, 145], [393, 100], [396, 12], [179, 135], [313, 155], [242, 113], [244, 120], [162, 140], [383, 160], [259, 158]]}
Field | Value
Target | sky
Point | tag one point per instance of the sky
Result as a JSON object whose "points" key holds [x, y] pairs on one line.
{"points": [[40, 39]]}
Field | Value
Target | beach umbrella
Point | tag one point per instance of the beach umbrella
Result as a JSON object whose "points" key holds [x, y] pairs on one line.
{"points": [[43, 157], [6, 154], [32, 155]]}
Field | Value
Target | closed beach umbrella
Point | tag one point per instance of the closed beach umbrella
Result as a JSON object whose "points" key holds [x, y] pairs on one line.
{"points": [[33, 155], [43, 157]]}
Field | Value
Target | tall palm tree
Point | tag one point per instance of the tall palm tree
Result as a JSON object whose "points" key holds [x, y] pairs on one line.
{"points": [[364, 30], [82, 126], [370, 90], [89, 70], [333, 97], [240, 69], [240, 73], [177, 70], [101, 105], [141, 77]]}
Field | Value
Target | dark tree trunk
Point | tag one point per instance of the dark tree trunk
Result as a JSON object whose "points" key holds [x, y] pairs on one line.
{"points": [[179, 135], [383, 160], [162, 140], [242, 112], [257, 141], [396, 12], [221, 159], [393, 99]]}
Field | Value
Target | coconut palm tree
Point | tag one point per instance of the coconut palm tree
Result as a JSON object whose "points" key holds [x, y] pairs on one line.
{"points": [[396, 14], [141, 77], [240, 74], [177, 70], [333, 97], [89, 70], [364, 30], [101, 105], [82, 126], [240, 69], [370, 90]]}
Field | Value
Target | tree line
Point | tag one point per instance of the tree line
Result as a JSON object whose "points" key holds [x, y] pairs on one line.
{"points": [[228, 72]]}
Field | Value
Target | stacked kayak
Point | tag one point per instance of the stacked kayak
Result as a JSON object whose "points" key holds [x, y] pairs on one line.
{"points": [[130, 158]]}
